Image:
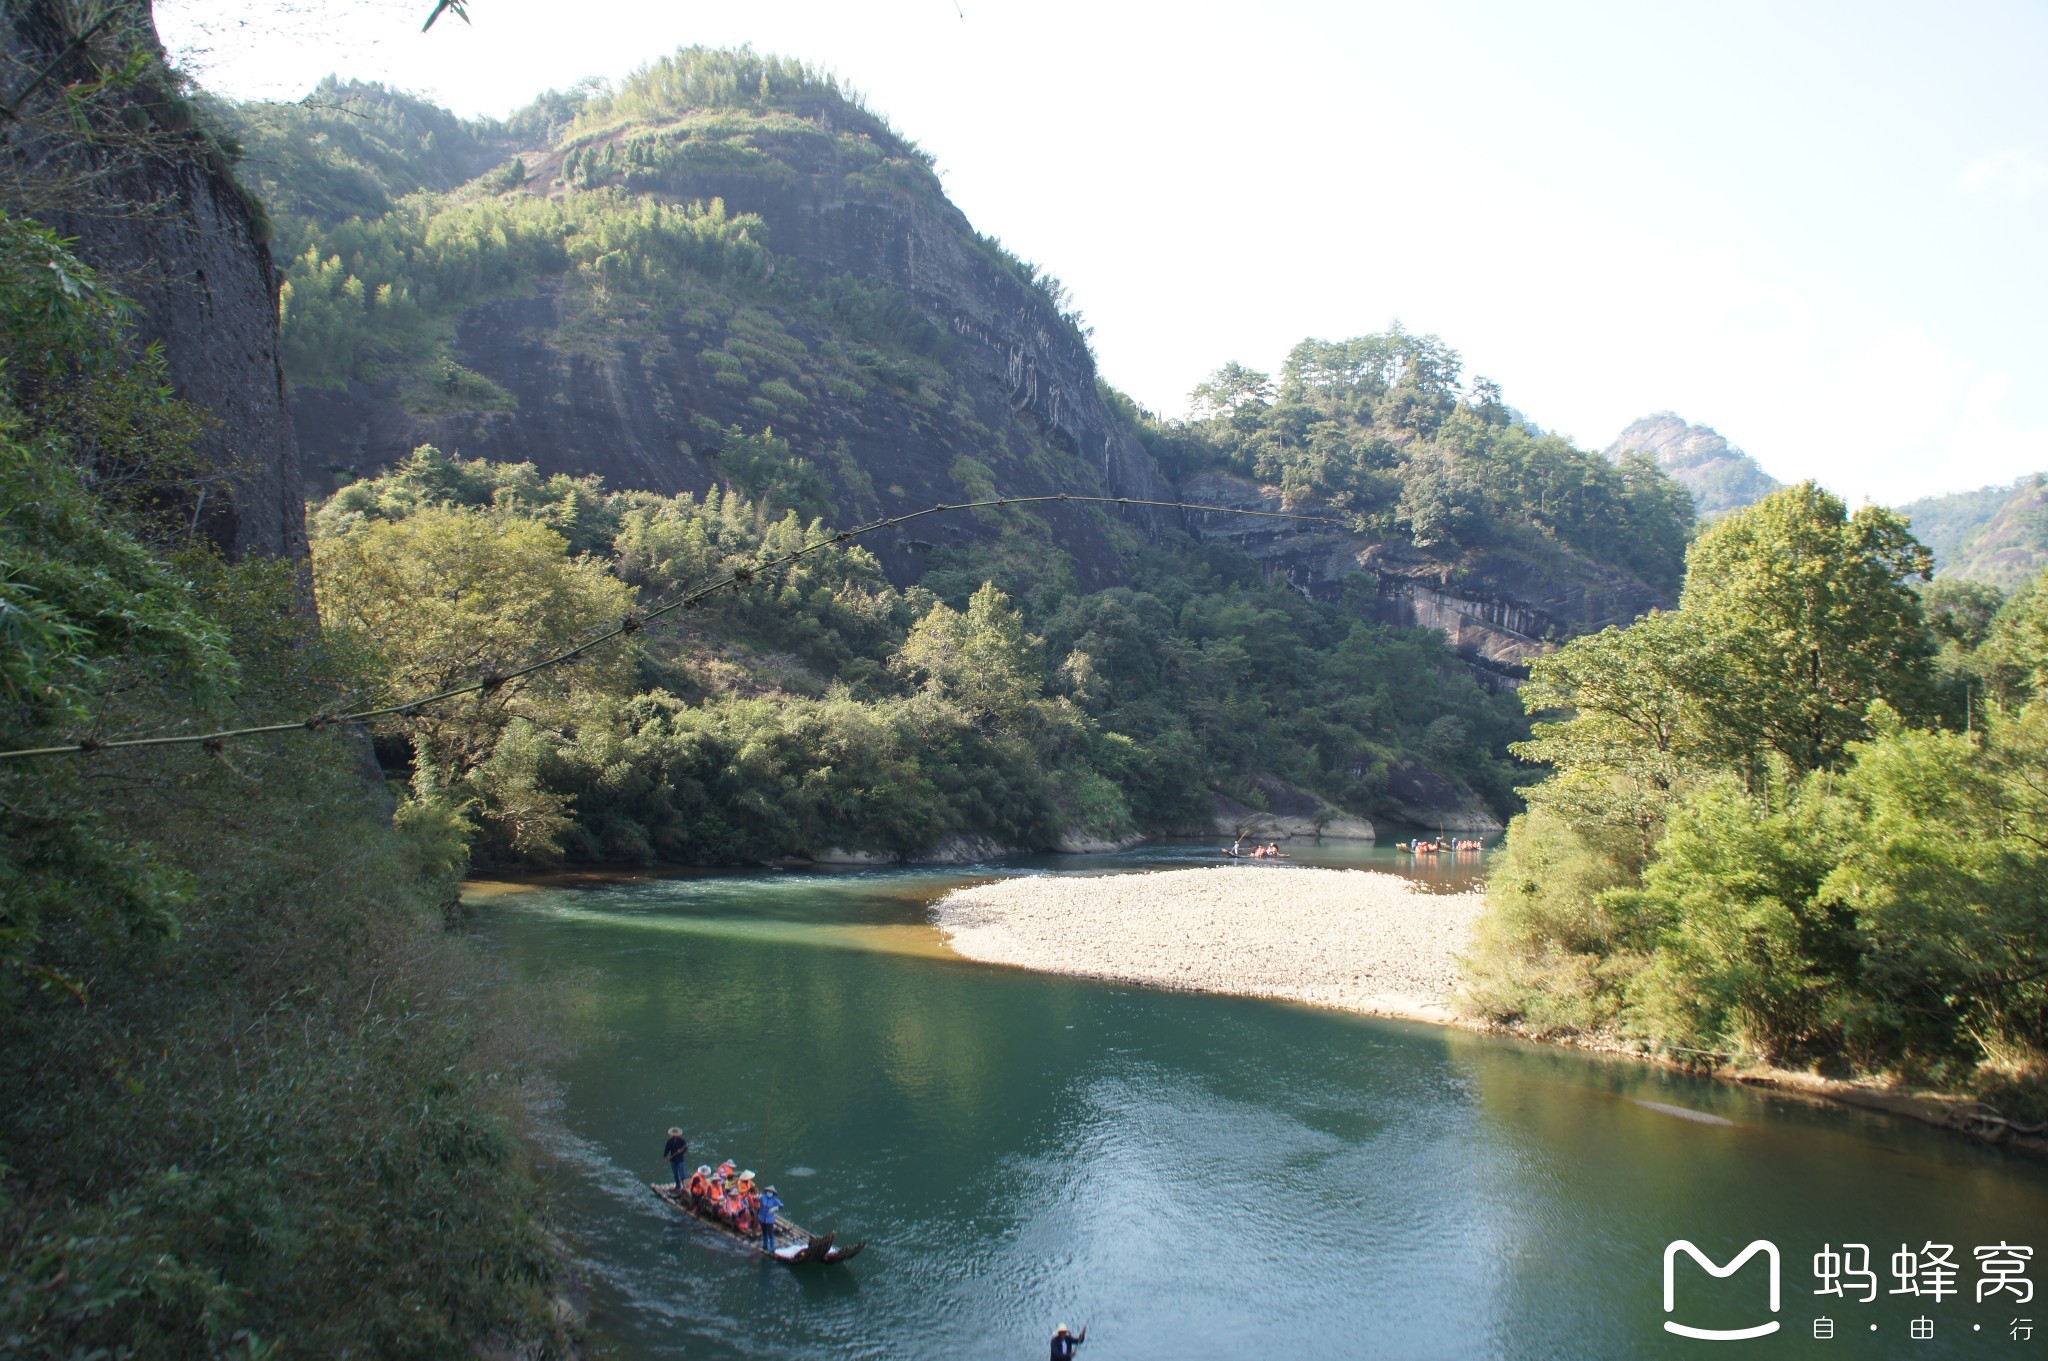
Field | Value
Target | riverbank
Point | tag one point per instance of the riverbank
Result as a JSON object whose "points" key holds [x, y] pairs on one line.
{"points": [[1366, 942], [1372, 943]]}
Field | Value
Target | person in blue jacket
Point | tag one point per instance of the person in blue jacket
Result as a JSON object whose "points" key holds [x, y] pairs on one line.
{"points": [[677, 1151], [770, 1203], [1065, 1344]]}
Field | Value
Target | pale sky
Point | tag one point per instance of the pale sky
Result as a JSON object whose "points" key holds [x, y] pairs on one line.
{"points": [[1816, 227]]}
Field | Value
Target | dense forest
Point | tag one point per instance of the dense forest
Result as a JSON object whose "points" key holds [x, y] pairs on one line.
{"points": [[1803, 818], [1380, 425], [394, 218], [818, 708], [586, 198]]}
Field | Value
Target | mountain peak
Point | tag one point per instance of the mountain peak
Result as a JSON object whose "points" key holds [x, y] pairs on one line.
{"points": [[1720, 476]]}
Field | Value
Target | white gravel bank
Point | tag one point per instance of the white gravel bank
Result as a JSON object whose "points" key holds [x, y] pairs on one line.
{"points": [[1334, 938]]}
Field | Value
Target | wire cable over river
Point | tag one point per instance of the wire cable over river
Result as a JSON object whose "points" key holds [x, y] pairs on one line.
{"points": [[634, 621]]}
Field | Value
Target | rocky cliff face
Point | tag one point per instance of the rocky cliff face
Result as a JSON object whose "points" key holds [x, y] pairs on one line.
{"points": [[167, 225], [1720, 476], [1496, 609], [640, 407]]}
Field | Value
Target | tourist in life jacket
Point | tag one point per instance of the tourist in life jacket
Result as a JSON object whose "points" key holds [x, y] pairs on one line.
{"points": [[764, 1209], [744, 1190], [700, 1185]]}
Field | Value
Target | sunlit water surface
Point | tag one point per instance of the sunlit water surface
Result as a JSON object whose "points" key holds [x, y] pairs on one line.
{"points": [[1199, 1176]]}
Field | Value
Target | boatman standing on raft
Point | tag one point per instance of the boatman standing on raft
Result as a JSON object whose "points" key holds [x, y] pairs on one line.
{"points": [[677, 1151], [1065, 1344]]}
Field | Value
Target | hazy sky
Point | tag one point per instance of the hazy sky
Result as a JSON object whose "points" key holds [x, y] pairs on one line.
{"points": [[1818, 227]]}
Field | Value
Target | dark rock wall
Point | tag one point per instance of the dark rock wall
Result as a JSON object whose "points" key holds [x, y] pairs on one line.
{"points": [[191, 257], [1497, 609]]}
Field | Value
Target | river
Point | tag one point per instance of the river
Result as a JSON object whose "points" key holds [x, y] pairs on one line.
{"points": [[1198, 1176]]}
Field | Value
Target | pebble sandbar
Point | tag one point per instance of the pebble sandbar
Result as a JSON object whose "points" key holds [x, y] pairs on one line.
{"points": [[1350, 939]]}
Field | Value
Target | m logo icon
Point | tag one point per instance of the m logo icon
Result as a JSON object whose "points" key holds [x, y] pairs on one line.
{"points": [[1671, 1251]]}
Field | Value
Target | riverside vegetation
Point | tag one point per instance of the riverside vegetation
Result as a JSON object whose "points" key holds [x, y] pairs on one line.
{"points": [[1801, 819], [820, 708], [252, 1098]]}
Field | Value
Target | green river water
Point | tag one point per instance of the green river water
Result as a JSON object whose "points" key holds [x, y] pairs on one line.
{"points": [[1199, 1176]]}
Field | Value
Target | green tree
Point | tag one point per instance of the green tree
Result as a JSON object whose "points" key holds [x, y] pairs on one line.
{"points": [[2015, 650], [1744, 957], [1945, 872], [1806, 614], [1233, 392], [1630, 727], [982, 660], [447, 596], [1961, 611]]}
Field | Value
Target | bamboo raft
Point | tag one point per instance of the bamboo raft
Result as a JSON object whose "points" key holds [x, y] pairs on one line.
{"points": [[795, 1245]]}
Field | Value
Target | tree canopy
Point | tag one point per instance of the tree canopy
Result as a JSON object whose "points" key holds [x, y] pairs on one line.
{"points": [[1379, 425], [1771, 830]]}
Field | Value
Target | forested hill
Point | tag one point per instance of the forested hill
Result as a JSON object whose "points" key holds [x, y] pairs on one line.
{"points": [[1994, 535], [620, 283], [626, 283], [672, 328]]}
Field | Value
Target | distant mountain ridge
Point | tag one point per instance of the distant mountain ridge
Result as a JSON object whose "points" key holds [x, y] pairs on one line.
{"points": [[1720, 476], [1997, 535]]}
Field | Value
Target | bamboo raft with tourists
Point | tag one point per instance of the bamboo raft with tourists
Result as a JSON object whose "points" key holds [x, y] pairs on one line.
{"points": [[1441, 846], [729, 1202]]}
